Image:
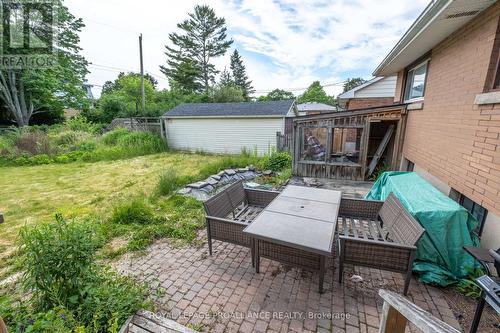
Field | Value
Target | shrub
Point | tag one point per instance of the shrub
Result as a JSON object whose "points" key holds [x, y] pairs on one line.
{"points": [[33, 143], [111, 138], [58, 262], [277, 161], [135, 211], [81, 124]]}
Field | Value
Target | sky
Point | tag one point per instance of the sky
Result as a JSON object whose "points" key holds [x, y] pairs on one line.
{"points": [[285, 44]]}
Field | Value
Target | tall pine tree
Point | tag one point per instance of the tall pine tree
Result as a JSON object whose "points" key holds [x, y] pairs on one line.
{"points": [[240, 75], [203, 38]]}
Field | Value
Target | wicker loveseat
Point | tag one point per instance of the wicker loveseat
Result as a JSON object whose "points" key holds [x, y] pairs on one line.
{"points": [[377, 234], [231, 210]]}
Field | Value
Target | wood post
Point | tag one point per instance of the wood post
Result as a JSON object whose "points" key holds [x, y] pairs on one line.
{"points": [[391, 321]]}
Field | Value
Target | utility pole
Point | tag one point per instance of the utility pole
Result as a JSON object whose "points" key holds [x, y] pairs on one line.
{"points": [[142, 75]]}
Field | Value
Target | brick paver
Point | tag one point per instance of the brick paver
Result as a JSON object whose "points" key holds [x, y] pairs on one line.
{"points": [[222, 293]]}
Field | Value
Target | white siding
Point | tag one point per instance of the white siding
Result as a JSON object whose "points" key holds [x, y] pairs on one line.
{"points": [[382, 88], [223, 135]]}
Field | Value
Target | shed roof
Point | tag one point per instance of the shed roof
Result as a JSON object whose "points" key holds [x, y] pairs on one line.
{"points": [[315, 106], [246, 109]]}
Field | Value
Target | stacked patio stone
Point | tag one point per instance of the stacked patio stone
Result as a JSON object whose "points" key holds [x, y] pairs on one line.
{"points": [[205, 189]]}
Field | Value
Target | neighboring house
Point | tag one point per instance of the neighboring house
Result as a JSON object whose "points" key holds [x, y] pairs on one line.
{"points": [[378, 91], [448, 74], [309, 108], [228, 127]]}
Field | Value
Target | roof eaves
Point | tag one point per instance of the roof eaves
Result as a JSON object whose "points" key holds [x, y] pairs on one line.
{"points": [[350, 93]]}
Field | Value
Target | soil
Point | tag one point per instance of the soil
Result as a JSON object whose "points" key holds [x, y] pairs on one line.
{"points": [[464, 307]]}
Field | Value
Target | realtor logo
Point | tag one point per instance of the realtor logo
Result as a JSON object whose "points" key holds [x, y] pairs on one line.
{"points": [[27, 35]]}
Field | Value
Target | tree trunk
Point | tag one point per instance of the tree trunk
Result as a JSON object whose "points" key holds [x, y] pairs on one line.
{"points": [[14, 96]]}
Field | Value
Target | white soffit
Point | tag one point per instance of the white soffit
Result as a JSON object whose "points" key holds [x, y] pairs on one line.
{"points": [[439, 20]]}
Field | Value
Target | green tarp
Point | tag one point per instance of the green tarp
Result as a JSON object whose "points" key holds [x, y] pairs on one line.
{"points": [[440, 257]]}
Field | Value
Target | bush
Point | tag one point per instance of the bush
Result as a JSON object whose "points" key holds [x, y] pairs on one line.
{"points": [[58, 262], [71, 292], [111, 138], [277, 161], [33, 143], [135, 211]]}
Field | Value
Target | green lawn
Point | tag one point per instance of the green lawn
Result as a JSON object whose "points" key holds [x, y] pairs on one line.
{"points": [[33, 194]]}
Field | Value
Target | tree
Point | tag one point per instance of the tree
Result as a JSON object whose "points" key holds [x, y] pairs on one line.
{"points": [[29, 91], [227, 93], [353, 83], [240, 76], [203, 38], [277, 95], [110, 86], [226, 79], [316, 93], [183, 73]]}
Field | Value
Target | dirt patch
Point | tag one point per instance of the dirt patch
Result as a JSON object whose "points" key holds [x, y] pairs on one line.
{"points": [[464, 308]]}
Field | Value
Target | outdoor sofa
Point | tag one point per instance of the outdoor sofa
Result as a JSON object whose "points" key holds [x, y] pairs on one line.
{"points": [[233, 209], [377, 234]]}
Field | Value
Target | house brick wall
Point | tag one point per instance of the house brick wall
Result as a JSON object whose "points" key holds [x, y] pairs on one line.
{"points": [[362, 103], [451, 137]]}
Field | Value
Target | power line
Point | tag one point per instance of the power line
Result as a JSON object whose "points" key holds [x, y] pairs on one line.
{"points": [[303, 88]]}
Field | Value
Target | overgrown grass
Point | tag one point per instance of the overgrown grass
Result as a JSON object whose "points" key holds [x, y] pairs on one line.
{"points": [[69, 290], [76, 140]]}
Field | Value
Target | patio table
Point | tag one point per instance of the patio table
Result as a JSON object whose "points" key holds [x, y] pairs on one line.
{"points": [[297, 228]]}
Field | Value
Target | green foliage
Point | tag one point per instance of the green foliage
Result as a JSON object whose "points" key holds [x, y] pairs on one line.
{"points": [[316, 93], [379, 171], [169, 182], [58, 261], [134, 211], [468, 286], [36, 86], [76, 140], [277, 95], [202, 38], [277, 161], [70, 291], [112, 86], [227, 93], [240, 76], [352, 83]]}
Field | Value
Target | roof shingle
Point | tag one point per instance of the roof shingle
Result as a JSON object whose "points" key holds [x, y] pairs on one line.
{"points": [[270, 108]]}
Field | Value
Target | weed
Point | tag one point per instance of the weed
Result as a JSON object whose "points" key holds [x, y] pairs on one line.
{"points": [[135, 211]]}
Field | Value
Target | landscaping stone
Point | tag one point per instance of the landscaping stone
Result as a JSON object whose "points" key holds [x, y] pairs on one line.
{"points": [[203, 190], [267, 172], [198, 185]]}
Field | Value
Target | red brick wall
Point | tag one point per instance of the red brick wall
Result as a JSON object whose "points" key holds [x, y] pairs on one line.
{"points": [[451, 137], [362, 103]]}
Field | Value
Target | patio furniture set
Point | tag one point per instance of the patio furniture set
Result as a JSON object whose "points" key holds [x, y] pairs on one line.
{"points": [[303, 226]]}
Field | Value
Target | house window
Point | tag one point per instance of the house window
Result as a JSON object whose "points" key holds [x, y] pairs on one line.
{"points": [[476, 210], [346, 144], [410, 165], [314, 143], [496, 82], [415, 82]]}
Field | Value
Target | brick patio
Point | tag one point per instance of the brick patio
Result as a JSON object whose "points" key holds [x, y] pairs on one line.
{"points": [[223, 294]]}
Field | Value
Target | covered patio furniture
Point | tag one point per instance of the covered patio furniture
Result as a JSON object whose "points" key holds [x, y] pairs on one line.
{"points": [[233, 209], [377, 234]]}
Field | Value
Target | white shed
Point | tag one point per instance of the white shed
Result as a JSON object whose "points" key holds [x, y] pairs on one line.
{"points": [[228, 128], [378, 89]]}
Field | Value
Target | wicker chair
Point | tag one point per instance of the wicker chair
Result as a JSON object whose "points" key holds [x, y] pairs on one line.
{"points": [[377, 234], [233, 209]]}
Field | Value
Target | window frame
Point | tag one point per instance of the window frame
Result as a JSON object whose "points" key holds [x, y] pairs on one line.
{"points": [[460, 198], [496, 75], [422, 63]]}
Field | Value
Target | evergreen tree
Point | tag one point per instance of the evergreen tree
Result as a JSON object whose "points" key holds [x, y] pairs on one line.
{"points": [[240, 76], [203, 38], [226, 79]]}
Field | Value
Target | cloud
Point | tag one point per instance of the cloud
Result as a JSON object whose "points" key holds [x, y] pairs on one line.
{"points": [[284, 43]]}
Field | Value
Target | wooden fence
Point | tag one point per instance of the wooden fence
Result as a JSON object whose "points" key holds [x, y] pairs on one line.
{"points": [[144, 124], [284, 142]]}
